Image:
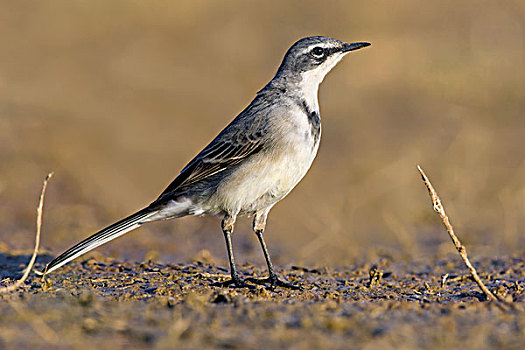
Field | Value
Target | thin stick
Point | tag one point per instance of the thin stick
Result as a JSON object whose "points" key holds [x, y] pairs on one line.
{"points": [[438, 208], [37, 240]]}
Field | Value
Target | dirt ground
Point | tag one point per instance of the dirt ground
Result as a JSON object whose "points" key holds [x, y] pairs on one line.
{"points": [[117, 96], [109, 304]]}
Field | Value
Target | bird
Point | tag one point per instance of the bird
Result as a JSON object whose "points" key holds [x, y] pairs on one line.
{"points": [[252, 164]]}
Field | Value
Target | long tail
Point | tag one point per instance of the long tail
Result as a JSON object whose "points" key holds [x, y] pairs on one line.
{"points": [[103, 236]]}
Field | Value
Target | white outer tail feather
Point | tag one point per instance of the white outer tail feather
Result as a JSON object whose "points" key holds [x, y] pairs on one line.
{"points": [[101, 237]]}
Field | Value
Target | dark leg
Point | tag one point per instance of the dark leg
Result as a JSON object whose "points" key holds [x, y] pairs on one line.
{"points": [[258, 224], [227, 229], [271, 271]]}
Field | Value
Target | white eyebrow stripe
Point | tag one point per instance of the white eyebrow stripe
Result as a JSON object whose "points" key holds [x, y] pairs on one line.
{"points": [[323, 45]]}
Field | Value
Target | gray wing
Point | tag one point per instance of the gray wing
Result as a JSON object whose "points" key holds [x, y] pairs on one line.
{"points": [[237, 142]]}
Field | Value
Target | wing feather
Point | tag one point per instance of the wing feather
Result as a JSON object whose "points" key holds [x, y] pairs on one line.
{"points": [[230, 148]]}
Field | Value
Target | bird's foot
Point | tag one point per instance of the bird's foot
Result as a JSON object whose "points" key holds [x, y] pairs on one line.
{"points": [[233, 283], [273, 281]]}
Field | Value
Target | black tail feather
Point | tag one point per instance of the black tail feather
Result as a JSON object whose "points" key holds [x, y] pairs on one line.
{"points": [[101, 237]]}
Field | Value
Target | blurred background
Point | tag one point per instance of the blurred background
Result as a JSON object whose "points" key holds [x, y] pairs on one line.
{"points": [[116, 97]]}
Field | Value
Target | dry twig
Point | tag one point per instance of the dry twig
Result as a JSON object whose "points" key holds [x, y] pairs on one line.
{"points": [[438, 208], [37, 240]]}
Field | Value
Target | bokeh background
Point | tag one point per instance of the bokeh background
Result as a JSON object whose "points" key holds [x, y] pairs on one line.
{"points": [[116, 97]]}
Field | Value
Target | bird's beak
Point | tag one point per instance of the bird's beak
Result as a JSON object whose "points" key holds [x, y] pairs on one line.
{"points": [[354, 46]]}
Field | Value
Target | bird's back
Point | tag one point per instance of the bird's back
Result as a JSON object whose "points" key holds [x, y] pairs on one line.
{"points": [[254, 161]]}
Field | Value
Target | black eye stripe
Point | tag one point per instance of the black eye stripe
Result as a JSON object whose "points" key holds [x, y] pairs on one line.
{"points": [[323, 52]]}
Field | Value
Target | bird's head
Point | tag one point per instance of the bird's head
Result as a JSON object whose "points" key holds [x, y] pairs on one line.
{"points": [[310, 59]]}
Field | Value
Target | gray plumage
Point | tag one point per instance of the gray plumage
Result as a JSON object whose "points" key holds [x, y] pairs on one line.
{"points": [[253, 163]]}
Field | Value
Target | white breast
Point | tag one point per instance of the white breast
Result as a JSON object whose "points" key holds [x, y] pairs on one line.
{"points": [[270, 175]]}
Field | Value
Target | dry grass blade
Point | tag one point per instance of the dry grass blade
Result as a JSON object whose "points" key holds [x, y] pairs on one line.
{"points": [[37, 239], [438, 208]]}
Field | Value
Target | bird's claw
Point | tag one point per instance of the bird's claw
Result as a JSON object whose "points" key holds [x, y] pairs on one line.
{"points": [[233, 283], [273, 282]]}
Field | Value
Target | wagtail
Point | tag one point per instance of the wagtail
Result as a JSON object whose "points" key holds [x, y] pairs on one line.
{"points": [[252, 164]]}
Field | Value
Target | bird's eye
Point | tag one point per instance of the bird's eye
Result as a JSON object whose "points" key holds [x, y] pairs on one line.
{"points": [[318, 52]]}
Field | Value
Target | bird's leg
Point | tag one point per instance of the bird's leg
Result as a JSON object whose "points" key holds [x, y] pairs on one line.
{"points": [[228, 224], [259, 223]]}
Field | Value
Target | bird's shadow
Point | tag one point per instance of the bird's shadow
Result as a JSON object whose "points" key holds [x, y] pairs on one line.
{"points": [[12, 265]]}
